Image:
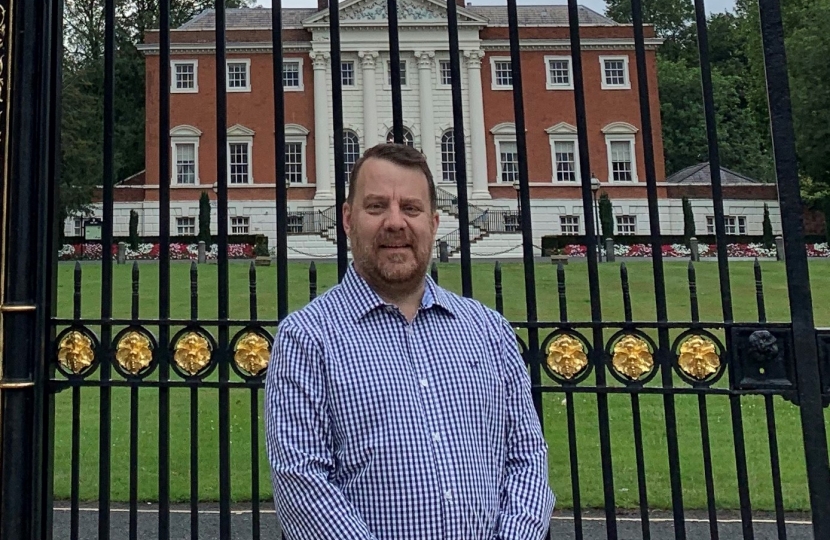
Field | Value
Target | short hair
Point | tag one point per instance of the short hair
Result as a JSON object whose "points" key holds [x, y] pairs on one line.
{"points": [[399, 154]]}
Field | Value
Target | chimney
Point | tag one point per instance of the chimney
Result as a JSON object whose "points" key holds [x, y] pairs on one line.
{"points": [[322, 4], [460, 3]]}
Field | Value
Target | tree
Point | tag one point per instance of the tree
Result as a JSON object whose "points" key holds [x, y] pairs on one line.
{"points": [[672, 20], [740, 139], [768, 239], [688, 222], [606, 216], [204, 218], [134, 230]]}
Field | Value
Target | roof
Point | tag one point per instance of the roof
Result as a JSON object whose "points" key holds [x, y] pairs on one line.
{"points": [[701, 174], [260, 18]]}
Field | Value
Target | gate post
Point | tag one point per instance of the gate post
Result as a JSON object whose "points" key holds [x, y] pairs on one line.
{"points": [[29, 52], [798, 273]]}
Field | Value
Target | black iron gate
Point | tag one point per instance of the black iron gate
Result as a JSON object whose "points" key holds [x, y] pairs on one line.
{"points": [[63, 373]]}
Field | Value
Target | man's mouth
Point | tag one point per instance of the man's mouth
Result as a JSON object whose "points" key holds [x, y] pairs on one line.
{"points": [[394, 246]]}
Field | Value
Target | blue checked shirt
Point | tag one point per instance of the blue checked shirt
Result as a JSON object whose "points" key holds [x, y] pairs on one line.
{"points": [[381, 429]]}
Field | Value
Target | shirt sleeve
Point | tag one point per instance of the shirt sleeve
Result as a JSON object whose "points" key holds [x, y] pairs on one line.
{"points": [[299, 444], [526, 497]]}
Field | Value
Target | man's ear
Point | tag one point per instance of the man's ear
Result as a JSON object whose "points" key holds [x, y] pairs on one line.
{"points": [[347, 217]]}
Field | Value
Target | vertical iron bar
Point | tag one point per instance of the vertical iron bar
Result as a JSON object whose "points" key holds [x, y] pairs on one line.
{"points": [[133, 525], [105, 441], [312, 281], [723, 261], [460, 149], [775, 468], [164, 268], [279, 160], [255, 521], [252, 291], [592, 256], [76, 296], [560, 284], [704, 420], [498, 286], [693, 293], [395, 70], [759, 292], [433, 271], [194, 417], [637, 419], [664, 354], [337, 127], [222, 275], [75, 452], [524, 190]]}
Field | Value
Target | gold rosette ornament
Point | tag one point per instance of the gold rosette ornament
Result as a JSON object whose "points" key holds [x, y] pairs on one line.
{"points": [[632, 357], [192, 353], [252, 353], [566, 356], [698, 357], [134, 352], [75, 352]]}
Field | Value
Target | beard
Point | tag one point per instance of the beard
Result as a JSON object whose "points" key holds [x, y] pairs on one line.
{"points": [[391, 260]]}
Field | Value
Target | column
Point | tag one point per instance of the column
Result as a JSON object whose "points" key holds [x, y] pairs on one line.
{"points": [[425, 63], [478, 141], [370, 102], [321, 124]]}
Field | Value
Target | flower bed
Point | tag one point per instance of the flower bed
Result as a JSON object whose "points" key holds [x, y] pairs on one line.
{"points": [[178, 251], [679, 250]]}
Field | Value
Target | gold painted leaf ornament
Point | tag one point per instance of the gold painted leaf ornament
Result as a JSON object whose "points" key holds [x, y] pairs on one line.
{"points": [[192, 353], [75, 352], [566, 356], [698, 357], [252, 353], [134, 352], [632, 357]]}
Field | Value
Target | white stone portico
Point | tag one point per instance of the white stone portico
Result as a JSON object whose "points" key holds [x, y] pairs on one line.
{"points": [[426, 102]]}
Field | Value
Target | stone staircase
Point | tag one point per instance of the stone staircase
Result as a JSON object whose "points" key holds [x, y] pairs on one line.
{"points": [[313, 233]]}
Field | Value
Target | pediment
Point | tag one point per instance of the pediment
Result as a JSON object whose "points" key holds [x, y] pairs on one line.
{"points": [[238, 130], [410, 12], [562, 128]]}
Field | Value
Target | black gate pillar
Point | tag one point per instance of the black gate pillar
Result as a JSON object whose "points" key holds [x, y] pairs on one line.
{"points": [[28, 158]]}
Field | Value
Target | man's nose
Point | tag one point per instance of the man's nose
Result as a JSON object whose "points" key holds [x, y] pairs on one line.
{"points": [[395, 218]]}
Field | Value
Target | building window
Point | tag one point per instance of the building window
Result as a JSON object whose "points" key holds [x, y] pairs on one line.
{"points": [[569, 224], [389, 73], [294, 162], [292, 75], [448, 156], [626, 224], [564, 160], [240, 225], [184, 155], [239, 76], [351, 152], [295, 154], [239, 154], [294, 224], [509, 161], [445, 72], [621, 168], [408, 139], [186, 226], [502, 73], [614, 72], [732, 224], [185, 163], [78, 226], [185, 76], [558, 73], [347, 73]]}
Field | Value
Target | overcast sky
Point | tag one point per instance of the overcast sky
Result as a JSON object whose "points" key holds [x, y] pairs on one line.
{"points": [[596, 5]]}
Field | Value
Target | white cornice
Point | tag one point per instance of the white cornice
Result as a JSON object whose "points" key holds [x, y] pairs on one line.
{"points": [[239, 47], [562, 44]]}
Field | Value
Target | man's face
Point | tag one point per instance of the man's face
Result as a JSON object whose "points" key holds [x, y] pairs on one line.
{"points": [[390, 224]]}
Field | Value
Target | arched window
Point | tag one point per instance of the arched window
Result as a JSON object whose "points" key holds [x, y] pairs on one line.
{"points": [[408, 139], [351, 151], [448, 156]]}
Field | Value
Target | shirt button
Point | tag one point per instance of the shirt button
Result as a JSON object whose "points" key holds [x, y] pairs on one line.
{"points": [[448, 494], [436, 436], [424, 383]]}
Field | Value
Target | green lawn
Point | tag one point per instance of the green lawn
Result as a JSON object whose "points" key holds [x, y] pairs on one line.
{"points": [[622, 440]]}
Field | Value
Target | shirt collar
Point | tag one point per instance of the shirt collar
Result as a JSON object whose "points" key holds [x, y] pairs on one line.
{"points": [[364, 299]]}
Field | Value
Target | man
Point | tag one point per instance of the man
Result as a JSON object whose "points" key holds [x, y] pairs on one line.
{"points": [[395, 409]]}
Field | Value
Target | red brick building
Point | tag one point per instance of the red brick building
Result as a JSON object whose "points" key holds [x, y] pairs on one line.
{"points": [[612, 102]]}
